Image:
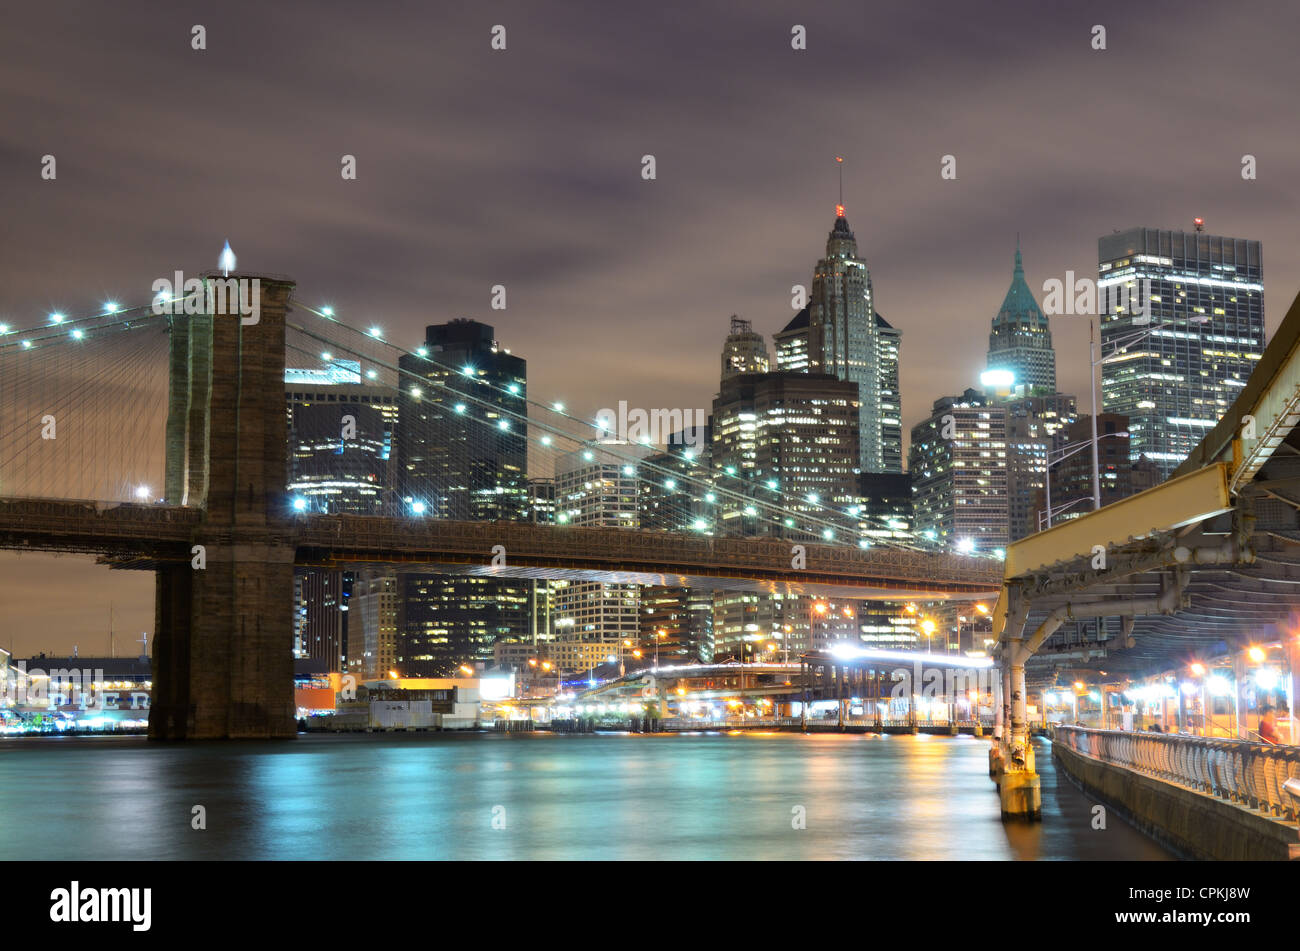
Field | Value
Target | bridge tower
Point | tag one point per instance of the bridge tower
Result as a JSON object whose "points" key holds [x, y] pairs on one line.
{"points": [[223, 662]]}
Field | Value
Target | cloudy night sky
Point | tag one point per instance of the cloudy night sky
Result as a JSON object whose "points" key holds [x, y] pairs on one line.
{"points": [[522, 167]]}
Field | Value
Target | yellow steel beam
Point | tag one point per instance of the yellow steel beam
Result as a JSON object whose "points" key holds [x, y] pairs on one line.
{"points": [[1183, 500], [1171, 505]]}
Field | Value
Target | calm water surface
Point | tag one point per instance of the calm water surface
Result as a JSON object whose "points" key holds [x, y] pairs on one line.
{"points": [[432, 796]]}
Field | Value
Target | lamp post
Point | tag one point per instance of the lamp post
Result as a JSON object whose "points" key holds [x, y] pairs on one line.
{"points": [[1096, 358], [1065, 452]]}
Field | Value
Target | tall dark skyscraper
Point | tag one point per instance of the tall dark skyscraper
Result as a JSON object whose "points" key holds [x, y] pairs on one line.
{"points": [[1176, 382], [462, 454], [1021, 340]]}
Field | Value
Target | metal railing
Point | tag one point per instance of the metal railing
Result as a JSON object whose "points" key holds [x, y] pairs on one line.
{"points": [[1237, 770]]}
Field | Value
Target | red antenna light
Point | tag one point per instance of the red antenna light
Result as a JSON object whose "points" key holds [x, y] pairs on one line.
{"points": [[839, 211], [1200, 223]]}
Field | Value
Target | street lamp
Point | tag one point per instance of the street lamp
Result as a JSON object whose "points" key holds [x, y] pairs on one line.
{"points": [[1065, 452], [1096, 358]]}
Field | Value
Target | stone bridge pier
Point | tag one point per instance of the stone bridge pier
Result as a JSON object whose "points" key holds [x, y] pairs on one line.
{"points": [[223, 658]]}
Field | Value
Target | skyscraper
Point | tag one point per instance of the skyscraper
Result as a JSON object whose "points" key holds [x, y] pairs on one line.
{"points": [[1021, 340], [596, 487], [462, 454], [463, 442], [1036, 429], [744, 351], [848, 340], [958, 463], [1205, 326], [790, 439], [340, 440]]}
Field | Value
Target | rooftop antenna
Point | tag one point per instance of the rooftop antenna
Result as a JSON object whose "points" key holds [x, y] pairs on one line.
{"points": [[144, 642], [839, 209], [110, 629]]}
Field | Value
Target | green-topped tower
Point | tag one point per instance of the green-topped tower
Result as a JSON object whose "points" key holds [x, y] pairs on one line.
{"points": [[1021, 341]]}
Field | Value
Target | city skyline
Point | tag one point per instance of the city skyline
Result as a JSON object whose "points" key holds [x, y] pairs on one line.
{"points": [[734, 218]]}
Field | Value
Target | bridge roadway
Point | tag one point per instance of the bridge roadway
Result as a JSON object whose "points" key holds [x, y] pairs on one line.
{"points": [[144, 536]]}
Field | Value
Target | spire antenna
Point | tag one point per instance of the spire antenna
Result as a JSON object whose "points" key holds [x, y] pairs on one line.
{"points": [[839, 209]]}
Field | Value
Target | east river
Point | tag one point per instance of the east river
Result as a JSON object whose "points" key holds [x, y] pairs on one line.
{"points": [[535, 796]]}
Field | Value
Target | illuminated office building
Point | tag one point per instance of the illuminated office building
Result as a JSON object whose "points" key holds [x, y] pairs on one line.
{"points": [[1206, 333], [958, 464]]}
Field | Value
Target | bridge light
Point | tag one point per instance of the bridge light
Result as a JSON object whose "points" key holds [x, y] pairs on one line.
{"points": [[559, 407], [371, 374], [731, 470], [670, 484], [1257, 654], [77, 334], [111, 307], [377, 333], [701, 525], [27, 345], [142, 492], [965, 545], [503, 424], [827, 534], [750, 510], [421, 351], [628, 470], [417, 508], [4, 328], [327, 356], [999, 553], [772, 484], [1198, 670], [710, 497], [514, 389], [588, 456], [327, 311], [460, 407], [546, 440], [467, 370], [863, 543], [417, 392], [789, 523], [56, 318], [300, 504], [814, 498]]}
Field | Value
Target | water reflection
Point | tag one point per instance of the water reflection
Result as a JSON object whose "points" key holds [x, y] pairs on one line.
{"points": [[521, 796]]}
